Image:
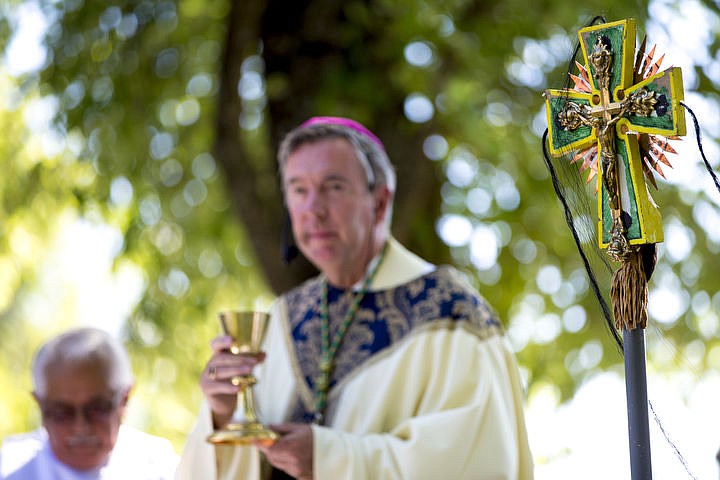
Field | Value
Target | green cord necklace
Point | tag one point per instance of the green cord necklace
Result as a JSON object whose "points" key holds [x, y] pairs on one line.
{"points": [[327, 349]]}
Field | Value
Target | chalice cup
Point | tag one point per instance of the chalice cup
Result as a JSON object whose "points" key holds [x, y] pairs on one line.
{"points": [[247, 330]]}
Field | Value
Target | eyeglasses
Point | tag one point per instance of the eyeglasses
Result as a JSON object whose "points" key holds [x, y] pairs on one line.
{"points": [[98, 410]]}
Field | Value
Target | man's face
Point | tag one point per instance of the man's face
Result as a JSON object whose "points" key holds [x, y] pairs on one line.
{"points": [[81, 414], [333, 213]]}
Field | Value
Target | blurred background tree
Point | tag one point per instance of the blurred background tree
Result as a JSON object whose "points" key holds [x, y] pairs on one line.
{"points": [[156, 123]]}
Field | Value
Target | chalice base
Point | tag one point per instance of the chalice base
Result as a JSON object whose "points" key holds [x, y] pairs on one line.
{"points": [[243, 434]]}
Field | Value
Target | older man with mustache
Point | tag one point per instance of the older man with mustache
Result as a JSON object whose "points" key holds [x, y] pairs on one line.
{"points": [[82, 381]]}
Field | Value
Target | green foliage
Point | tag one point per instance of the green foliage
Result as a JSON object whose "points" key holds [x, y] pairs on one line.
{"points": [[136, 85]]}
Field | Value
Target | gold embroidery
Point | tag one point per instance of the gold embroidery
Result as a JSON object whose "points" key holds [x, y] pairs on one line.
{"points": [[440, 299]]}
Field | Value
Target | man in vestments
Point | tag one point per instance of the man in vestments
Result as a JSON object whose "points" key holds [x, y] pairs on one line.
{"points": [[382, 367], [82, 380]]}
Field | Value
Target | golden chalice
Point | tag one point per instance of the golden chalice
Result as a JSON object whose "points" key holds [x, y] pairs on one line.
{"points": [[247, 330]]}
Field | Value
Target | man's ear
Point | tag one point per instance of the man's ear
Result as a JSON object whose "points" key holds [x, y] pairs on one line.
{"points": [[39, 404], [382, 200], [125, 396]]}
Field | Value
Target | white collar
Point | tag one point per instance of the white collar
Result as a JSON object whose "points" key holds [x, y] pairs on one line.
{"points": [[399, 266]]}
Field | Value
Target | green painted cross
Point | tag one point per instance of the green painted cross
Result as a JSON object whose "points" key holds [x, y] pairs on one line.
{"points": [[613, 114]]}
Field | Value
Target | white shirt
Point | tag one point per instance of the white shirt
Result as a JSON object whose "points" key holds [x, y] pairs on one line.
{"points": [[136, 455]]}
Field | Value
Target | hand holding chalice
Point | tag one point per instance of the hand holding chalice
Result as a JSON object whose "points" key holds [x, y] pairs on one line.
{"points": [[247, 330]]}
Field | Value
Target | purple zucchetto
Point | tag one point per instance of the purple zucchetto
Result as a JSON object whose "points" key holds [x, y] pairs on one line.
{"points": [[345, 122]]}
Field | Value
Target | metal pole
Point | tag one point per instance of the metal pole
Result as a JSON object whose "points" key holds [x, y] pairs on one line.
{"points": [[637, 404]]}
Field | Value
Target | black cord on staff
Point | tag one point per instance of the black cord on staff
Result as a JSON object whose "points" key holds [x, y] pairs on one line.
{"points": [[708, 167]]}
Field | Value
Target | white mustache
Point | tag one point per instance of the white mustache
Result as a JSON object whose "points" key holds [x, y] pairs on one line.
{"points": [[82, 441]]}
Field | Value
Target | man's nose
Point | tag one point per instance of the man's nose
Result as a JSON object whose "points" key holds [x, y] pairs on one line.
{"points": [[81, 422], [316, 202]]}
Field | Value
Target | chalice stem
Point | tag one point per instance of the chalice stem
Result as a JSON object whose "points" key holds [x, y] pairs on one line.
{"points": [[245, 410]]}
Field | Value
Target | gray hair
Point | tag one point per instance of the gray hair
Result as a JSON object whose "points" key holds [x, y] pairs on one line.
{"points": [[372, 157], [81, 346]]}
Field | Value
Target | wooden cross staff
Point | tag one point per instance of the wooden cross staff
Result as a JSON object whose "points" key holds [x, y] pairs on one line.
{"points": [[617, 109]]}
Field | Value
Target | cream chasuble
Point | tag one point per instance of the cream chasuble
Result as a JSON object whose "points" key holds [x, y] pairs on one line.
{"points": [[442, 400]]}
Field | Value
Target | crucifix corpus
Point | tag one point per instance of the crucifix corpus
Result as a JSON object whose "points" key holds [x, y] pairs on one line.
{"points": [[617, 120]]}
